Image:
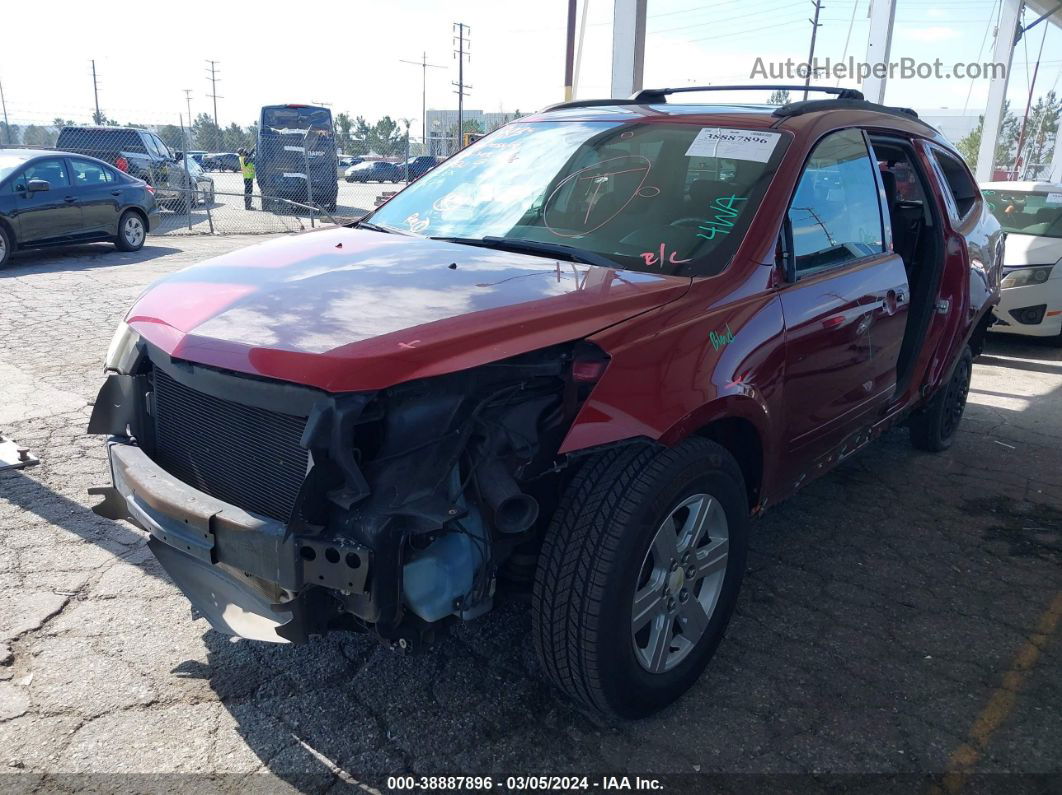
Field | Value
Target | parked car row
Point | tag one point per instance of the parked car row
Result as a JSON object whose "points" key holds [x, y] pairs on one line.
{"points": [[55, 198], [384, 171], [221, 161]]}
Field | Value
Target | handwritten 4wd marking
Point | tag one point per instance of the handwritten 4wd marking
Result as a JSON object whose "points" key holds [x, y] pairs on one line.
{"points": [[721, 339], [721, 224]]}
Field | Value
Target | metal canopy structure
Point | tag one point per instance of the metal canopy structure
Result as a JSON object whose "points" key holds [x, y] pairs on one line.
{"points": [[628, 60]]}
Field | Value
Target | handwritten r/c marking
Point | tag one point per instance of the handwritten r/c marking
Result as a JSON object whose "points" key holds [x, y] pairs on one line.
{"points": [[653, 258]]}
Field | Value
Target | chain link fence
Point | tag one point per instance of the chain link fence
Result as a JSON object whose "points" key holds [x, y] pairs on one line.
{"points": [[308, 167]]}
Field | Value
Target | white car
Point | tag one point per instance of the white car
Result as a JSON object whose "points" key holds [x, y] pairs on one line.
{"points": [[1031, 215]]}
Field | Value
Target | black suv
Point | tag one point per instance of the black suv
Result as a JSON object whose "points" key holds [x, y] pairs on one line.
{"points": [[140, 153]]}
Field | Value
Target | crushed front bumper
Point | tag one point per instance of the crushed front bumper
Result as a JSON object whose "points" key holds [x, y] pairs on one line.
{"points": [[243, 572]]}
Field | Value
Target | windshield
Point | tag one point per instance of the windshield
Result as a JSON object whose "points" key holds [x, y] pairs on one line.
{"points": [[10, 163], [292, 120], [656, 197], [1027, 212]]}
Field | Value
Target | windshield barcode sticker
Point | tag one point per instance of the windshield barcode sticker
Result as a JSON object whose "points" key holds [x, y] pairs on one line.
{"points": [[1053, 198], [752, 145]]}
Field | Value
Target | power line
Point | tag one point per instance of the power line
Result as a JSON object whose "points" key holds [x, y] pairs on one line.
{"points": [[214, 89], [461, 53], [848, 38], [424, 65]]}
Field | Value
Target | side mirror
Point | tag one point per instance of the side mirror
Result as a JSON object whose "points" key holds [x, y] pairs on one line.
{"points": [[38, 185]]}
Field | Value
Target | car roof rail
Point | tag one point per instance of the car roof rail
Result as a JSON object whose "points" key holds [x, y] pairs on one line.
{"points": [[657, 95], [661, 94], [812, 105]]}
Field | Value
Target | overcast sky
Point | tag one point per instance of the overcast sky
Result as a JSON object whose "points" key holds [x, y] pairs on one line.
{"points": [[347, 54]]}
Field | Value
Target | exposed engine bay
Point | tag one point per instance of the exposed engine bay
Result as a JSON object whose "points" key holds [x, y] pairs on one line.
{"points": [[412, 502]]}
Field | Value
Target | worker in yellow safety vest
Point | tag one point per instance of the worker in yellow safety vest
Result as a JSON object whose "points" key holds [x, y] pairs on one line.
{"points": [[247, 169]]}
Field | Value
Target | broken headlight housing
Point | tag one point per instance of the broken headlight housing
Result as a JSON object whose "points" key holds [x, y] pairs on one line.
{"points": [[123, 350], [1022, 277]]}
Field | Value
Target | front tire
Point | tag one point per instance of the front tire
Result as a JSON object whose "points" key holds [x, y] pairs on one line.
{"points": [[132, 231], [933, 428], [639, 573], [7, 246]]}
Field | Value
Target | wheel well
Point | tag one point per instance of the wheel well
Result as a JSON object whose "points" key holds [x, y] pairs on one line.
{"points": [[138, 211], [977, 338], [10, 233], [740, 438]]}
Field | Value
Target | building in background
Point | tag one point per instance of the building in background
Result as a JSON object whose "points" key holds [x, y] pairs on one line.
{"points": [[954, 123], [443, 135]]}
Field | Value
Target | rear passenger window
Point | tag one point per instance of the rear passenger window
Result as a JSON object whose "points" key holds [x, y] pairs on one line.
{"points": [[957, 182], [87, 173], [835, 214]]}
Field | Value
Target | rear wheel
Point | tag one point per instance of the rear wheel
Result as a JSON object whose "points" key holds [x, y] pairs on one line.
{"points": [[639, 573], [131, 231], [934, 427], [6, 246]]}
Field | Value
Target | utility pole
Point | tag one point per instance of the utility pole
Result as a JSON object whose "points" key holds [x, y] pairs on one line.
{"points": [[214, 89], [96, 95], [460, 53], [815, 25], [569, 55], [423, 64], [188, 102], [3, 103]]}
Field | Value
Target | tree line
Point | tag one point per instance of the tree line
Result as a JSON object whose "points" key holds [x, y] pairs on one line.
{"points": [[204, 133], [1038, 142]]}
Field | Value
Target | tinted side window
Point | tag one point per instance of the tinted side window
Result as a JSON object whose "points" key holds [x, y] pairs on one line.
{"points": [[130, 141], [53, 170], [835, 214], [87, 173], [160, 146], [957, 181], [149, 142]]}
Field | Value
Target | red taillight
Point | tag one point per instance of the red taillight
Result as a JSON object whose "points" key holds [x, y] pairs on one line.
{"points": [[150, 188], [122, 164]]}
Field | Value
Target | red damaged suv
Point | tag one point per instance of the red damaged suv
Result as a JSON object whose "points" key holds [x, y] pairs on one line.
{"points": [[576, 357]]}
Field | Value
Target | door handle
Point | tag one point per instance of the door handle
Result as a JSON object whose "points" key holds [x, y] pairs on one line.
{"points": [[116, 193], [70, 199], [901, 297]]}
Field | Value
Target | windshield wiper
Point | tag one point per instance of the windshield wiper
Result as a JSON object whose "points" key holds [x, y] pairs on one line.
{"points": [[376, 227], [522, 246]]}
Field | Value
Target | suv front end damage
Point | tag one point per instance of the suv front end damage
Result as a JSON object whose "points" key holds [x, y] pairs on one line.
{"points": [[283, 511]]}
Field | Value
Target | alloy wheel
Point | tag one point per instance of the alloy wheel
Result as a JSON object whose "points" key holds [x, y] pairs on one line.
{"points": [[679, 583]]}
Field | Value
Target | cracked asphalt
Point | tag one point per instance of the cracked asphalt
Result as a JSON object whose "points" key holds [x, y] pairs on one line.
{"points": [[900, 615]]}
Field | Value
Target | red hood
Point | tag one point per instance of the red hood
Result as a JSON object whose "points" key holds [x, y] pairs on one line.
{"points": [[347, 310]]}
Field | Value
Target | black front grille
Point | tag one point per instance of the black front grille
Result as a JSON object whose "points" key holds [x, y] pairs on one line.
{"points": [[246, 456]]}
